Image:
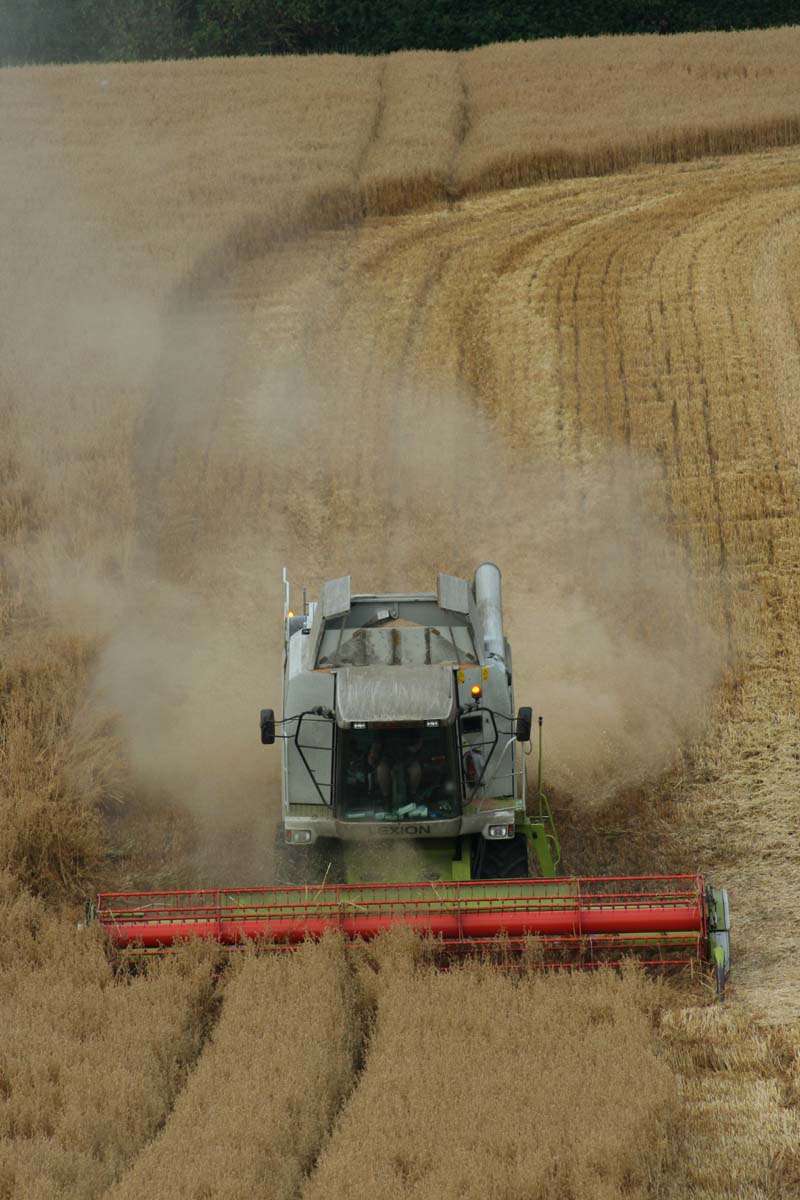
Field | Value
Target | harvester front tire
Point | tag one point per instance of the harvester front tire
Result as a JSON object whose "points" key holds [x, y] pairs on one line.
{"points": [[506, 859]]}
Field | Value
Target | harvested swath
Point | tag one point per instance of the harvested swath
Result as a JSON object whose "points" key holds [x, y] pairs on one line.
{"points": [[89, 1065], [477, 1085], [584, 314], [738, 1077], [259, 1105], [615, 312]]}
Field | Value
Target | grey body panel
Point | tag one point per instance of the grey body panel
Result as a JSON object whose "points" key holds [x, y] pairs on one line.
{"points": [[335, 600], [326, 825], [453, 594], [489, 602], [401, 657], [307, 690]]}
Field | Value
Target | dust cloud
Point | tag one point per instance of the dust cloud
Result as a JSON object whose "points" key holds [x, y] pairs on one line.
{"points": [[177, 668], [171, 470], [608, 623], [606, 618], [601, 606]]}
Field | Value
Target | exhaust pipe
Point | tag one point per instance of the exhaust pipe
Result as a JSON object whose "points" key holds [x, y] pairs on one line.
{"points": [[486, 586]]}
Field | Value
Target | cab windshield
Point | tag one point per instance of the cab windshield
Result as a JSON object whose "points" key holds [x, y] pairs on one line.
{"points": [[396, 773]]}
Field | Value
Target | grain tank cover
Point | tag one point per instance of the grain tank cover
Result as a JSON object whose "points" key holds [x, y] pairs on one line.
{"points": [[335, 597], [452, 594], [394, 694]]}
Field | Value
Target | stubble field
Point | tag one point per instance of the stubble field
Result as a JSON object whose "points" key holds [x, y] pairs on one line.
{"points": [[390, 317]]}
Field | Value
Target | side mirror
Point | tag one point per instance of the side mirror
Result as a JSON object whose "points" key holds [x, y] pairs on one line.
{"points": [[524, 723], [268, 726]]}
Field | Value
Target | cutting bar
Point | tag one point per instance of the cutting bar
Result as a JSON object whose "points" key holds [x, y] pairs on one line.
{"points": [[655, 915]]}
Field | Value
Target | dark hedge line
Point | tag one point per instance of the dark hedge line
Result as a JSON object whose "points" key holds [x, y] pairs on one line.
{"points": [[34, 31]]}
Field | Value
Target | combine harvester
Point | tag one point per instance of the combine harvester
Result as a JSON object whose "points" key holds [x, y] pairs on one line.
{"points": [[404, 802]]}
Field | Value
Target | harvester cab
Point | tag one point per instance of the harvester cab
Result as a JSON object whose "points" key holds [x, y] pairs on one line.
{"points": [[404, 802], [402, 748]]}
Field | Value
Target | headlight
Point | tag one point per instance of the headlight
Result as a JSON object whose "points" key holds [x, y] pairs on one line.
{"points": [[500, 831], [298, 837]]}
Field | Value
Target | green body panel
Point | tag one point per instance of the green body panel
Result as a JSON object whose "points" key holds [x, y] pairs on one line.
{"points": [[719, 935], [427, 860], [540, 830], [542, 843]]}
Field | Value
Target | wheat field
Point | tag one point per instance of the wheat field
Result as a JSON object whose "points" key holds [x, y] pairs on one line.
{"points": [[535, 303]]}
